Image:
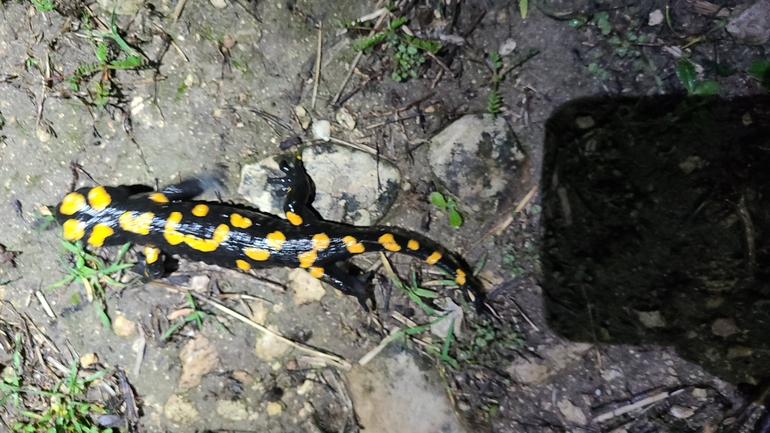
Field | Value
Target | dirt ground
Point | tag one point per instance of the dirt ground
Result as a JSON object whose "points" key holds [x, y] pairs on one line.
{"points": [[161, 95]]}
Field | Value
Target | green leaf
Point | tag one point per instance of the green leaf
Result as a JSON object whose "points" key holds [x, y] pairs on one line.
{"points": [[602, 20], [438, 199], [706, 87], [760, 70], [425, 293], [455, 219], [523, 7], [685, 70], [127, 63], [101, 53]]}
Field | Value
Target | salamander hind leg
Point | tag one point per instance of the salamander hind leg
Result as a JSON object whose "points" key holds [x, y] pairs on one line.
{"points": [[356, 286], [188, 189], [300, 192], [152, 264]]}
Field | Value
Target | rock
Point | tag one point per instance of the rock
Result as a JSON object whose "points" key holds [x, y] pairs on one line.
{"points": [[306, 287], [651, 319], [451, 311], [346, 183], [752, 27], [123, 327], [243, 377], [572, 413], [681, 412], [258, 312], [700, 393], [322, 130], [507, 47], [181, 411], [88, 360], [554, 359], [478, 159], [304, 118], [305, 387], [219, 4], [724, 327], [585, 122], [233, 410], [268, 347], [274, 408], [655, 18], [739, 352], [121, 7], [392, 394], [344, 118], [198, 357]]}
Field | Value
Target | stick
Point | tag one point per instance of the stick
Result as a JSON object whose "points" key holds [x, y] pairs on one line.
{"points": [[317, 65], [44, 303]]}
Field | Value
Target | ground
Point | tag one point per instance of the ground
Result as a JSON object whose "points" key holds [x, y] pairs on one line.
{"points": [[151, 95]]}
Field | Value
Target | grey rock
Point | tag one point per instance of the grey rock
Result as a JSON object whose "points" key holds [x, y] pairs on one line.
{"points": [[478, 159], [753, 25]]}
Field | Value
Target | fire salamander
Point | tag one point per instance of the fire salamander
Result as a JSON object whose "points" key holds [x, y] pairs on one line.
{"points": [[171, 222]]}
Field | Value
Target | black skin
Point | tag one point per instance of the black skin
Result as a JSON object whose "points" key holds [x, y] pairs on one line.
{"points": [[298, 238]]}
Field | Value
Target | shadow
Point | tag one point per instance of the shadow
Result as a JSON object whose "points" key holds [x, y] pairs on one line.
{"points": [[656, 227]]}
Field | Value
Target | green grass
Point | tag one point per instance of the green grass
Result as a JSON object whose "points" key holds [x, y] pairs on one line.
{"points": [[447, 205]]}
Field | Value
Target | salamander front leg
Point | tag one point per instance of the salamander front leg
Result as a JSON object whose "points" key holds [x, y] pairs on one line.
{"points": [[152, 264], [300, 192]]}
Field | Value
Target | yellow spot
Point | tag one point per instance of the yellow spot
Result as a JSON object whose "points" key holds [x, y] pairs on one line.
{"points": [[242, 265], [151, 254], [316, 271], [240, 221], [294, 218], [200, 210], [73, 229], [99, 198], [172, 236], [99, 233], [413, 245], [139, 224], [389, 243], [159, 197], [433, 258], [320, 241], [208, 245], [307, 259], [353, 245], [275, 240], [72, 203], [256, 254], [460, 277]]}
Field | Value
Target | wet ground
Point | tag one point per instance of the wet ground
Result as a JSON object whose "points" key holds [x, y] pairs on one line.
{"points": [[155, 99]]}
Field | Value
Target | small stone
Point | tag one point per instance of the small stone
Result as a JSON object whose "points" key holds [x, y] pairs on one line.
{"points": [[724, 327], [123, 327], [43, 134], [651, 319], [585, 122], [304, 119], [699, 393], [306, 287], [344, 118], [739, 352], [200, 283], [322, 130], [219, 4], [655, 18], [451, 311], [198, 358], [611, 374], [259, 312], [572, 413], [681, 412], [88, 360], [268, 347], [507, 47], [233, 410], [181, 411], [243, 377], [305, 387], [274, 408]]}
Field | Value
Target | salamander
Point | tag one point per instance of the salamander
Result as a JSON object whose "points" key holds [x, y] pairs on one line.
{"points": [[172, 222]]}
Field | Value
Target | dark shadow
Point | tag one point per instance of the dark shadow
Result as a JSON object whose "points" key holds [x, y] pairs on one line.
{"points": [[656, 217]]}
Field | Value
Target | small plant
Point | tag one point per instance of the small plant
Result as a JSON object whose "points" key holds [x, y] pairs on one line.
{"points": [[67, 411], [444, 356], [43, 5], [415, 292], [195, 315], [406, 51], [760, 70], [92, 272], [685, 71], [495, 99], [447, 205]]}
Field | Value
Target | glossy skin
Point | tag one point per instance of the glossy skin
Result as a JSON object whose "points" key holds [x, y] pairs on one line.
{"points": [[170, 222]]}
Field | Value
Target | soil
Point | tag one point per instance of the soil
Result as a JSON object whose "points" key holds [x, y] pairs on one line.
{"points": [[202, 100]]}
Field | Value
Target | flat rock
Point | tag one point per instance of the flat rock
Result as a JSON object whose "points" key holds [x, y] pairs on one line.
{"points": [[478, 159], [351, 185], [753, 25], [306, 287], [268, 347], [198, 357], [553, 360], [233, 410], [181, 411], [392, 395]]}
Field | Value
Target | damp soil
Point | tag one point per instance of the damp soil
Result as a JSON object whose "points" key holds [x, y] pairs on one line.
{"points": [[648, 239]]}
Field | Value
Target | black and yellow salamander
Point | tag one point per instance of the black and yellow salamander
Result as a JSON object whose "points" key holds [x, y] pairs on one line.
{"points": [[171, 222]]}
